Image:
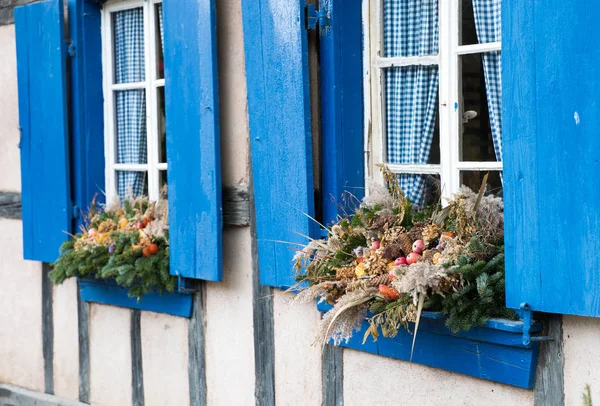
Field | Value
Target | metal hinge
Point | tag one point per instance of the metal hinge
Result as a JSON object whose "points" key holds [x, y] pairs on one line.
{"points": [[75, 212], [527, 320], [316, 17], [71, 49]]}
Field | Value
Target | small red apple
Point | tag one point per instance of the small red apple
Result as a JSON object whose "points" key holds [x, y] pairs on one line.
{"points": [[375, 245], [400, 261], [418, 246], [412, 258]]}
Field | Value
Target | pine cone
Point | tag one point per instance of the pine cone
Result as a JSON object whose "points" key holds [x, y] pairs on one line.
{"points": [[405, 242], [392, 251], [416, 232], [380, 280], [384, 221], [431, 232]]}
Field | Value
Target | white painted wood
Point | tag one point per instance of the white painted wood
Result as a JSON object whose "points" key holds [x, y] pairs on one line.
{"points": [[478, 48], [417, 169], [407, 61], [151, 86]]}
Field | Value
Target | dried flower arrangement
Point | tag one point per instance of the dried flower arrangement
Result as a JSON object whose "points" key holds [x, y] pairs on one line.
{"points": [[389, 261], [126, 241]]}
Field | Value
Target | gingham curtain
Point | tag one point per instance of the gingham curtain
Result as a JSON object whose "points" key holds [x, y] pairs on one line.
{"points": [[131, 104], [160, 27], [410, 29], [489, 29]]}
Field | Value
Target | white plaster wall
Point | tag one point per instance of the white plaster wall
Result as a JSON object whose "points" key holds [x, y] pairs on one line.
{"points": [[21, 359], [165, 359], [581, 340], [110, 356], [375, 380], [298, 368], [10, 172], [66, 340]]}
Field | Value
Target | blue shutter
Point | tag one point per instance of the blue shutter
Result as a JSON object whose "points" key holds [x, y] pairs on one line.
{"points": [[87, 104], [342, 100], [46, 195], [193, 153], [278, 106], [551, 113]]}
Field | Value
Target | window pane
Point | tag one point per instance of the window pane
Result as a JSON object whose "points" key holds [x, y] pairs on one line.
{"points": [[422, 190], [131, 184], [473, 180], [128, 33], [481, 107], [411, 103], [480, 21], [162, 180], [162, 125], [160, 62], [410, 28], [131, 126]]}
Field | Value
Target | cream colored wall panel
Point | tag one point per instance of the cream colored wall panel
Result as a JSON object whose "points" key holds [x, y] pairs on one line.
{"points": [[581, 336], [66, 340], [110, 356], [9, 112], [233, 101], [297, 363], [21, 359], [165, 359], [374, 380], [229, 331]]}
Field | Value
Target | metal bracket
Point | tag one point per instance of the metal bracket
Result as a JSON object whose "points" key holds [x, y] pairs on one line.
{"points": [[71, 50], [315, 17], [181, 286], [527, 320]]}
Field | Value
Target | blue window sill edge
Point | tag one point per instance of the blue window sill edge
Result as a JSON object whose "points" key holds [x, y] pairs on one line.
{"points": [[109, 293], [493, 351]]}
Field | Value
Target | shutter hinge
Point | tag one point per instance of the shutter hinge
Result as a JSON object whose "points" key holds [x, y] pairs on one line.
{"points": [[527, 321], [315, 17], [71, 49], [75, 212]]}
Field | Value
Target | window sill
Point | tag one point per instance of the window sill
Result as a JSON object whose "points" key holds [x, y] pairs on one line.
{"points": [[493, 351], [107, 292]]}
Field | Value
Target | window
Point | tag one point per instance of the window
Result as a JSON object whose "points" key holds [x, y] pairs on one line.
{"points": [[433, 94], [134, 94]]}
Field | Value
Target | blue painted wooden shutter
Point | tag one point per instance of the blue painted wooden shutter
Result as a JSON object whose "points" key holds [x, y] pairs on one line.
{"points": [[341, 105], [281, 144], [87, 104], [46, 194], [551, 114], [193, 153]]}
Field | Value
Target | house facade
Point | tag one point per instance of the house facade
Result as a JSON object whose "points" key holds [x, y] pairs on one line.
{"points": [[258, 116]]}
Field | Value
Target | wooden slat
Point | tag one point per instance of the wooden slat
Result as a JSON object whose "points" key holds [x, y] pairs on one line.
{"points": [[87, 105], [45, 178], [552, 152], [276, 51], [193, 151], [342, 105]]}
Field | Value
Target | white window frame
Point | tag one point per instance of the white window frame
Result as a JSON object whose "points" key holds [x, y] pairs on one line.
{"points": [[449, 107], [151, 86]]}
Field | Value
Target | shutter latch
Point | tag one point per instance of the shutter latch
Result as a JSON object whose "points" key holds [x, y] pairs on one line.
{"points": [[315, 17], [527, 321]]}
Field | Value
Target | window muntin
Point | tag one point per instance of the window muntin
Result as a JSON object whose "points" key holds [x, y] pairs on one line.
{"points": [[415, 43], [133, 75]]}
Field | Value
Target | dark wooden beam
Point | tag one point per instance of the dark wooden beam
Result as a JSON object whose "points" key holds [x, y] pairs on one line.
{"points": [[549, 387], [137, 369], [333, 375], [10, 204], [47, 331], [197, 346]]}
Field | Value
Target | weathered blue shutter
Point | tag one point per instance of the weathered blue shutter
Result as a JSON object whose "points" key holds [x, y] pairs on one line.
{"points": [[275, 43], [341, 45], [87, 104], [46, 194], [551, 114], [193, 153]]}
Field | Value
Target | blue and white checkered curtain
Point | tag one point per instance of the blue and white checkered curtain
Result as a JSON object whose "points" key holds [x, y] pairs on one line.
{"points": [[489, 29], [411, 92], [131, 104]]}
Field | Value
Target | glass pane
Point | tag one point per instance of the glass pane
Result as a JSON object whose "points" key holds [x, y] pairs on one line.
{"points": [[162, 125], [131, 126], [422, 190], [160, 62], [467, 33], [131, 184], [410, 28], [473, 180], [480, 21], [477, 141], [411, 104], [128, 34]]}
